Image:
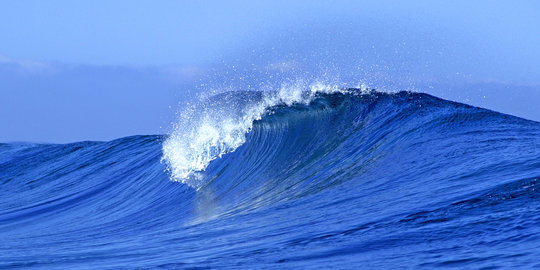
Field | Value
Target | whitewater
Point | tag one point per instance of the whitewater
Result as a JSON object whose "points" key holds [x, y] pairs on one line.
{"points": [[301, 176]]}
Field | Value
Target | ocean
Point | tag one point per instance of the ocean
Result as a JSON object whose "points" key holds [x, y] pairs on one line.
{"points": [[316, 178]]}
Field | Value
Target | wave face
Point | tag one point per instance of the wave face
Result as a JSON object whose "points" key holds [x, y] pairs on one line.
{"points": [[341, 179]]}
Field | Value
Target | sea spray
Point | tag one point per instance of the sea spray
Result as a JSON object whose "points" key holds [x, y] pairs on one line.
{"points": [[211, 128]]}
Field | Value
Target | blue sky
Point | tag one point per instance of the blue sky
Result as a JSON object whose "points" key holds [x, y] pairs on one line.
{"points": [[99, 70]]}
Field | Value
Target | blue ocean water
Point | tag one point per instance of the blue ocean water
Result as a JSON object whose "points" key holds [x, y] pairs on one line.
{"points": [[320, 179]]}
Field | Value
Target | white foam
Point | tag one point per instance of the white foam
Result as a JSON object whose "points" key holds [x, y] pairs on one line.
{"points": [[207, 132]]}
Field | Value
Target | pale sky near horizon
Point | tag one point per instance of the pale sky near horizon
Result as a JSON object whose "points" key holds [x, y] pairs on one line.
{"points": [[101, 70]]}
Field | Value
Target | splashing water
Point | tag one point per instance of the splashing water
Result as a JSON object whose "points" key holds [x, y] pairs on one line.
{"points": [[210, 129]]}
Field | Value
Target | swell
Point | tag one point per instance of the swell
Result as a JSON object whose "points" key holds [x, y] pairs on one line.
{"points": [[44, 186]]}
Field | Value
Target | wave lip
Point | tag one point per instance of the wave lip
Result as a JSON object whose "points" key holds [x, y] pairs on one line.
{"points": [[219, 125]]}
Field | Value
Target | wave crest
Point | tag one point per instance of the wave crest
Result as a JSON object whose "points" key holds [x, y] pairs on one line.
{"points": [[219, 124]]}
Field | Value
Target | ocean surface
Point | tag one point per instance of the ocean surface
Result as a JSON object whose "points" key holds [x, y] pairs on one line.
{"points": [[316, 179]]}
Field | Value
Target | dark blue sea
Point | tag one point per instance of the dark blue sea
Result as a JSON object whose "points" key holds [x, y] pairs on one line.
{"points": [[316, 179]]}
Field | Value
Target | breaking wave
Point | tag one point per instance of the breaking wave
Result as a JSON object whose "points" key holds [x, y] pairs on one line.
{"points": [[299, 177]]}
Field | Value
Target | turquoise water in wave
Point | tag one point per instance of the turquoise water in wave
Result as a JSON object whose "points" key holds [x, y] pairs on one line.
{"points": [[331, 179]]}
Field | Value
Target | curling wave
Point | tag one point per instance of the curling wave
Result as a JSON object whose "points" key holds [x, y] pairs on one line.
{"points": [[219, 125]]}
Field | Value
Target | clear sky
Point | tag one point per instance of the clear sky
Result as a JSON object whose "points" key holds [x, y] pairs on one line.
{"points": [[99, 70]]}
